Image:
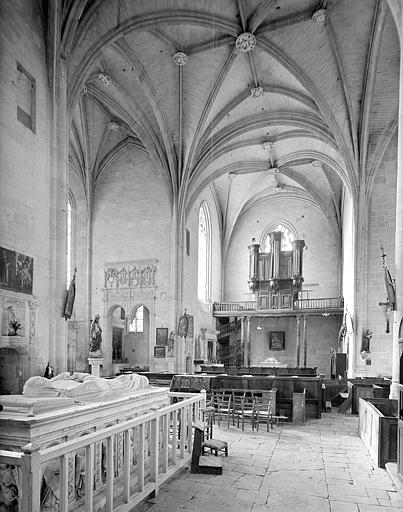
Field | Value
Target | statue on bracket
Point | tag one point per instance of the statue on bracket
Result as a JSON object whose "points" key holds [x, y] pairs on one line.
{"points": [[95, 338], [366, 338], [171, 344], [13, 324]]}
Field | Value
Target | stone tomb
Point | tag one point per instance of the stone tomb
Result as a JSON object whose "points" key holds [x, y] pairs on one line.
{"points": [[47, 421]]}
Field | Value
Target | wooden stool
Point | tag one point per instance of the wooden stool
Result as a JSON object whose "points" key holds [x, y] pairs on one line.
{"points": [[215, 446]]}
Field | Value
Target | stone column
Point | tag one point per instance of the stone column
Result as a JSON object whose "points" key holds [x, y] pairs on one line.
{"points": [[204, 349], [298, 341], [357, 365], [398, 344], [248, 342], [58, 221], [305, 340], [214, 354], [243, 340], [180, 354]]}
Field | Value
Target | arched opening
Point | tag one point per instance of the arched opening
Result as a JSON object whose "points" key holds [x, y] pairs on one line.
{"points": [[118, 333], [136, 344]]}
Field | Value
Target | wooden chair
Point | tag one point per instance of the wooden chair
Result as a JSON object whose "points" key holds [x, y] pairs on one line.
{"points": [[247, 409], [236, 405], [222, 407], [208, 418], [262, 413]]}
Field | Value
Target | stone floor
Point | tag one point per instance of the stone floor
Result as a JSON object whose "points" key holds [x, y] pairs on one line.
{"points": [[322, 466]]}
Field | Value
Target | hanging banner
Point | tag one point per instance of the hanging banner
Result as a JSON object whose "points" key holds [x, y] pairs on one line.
{"points": [[70, 296]]}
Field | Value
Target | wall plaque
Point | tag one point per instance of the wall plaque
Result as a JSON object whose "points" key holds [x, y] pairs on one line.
{"points": [[276, 340]]}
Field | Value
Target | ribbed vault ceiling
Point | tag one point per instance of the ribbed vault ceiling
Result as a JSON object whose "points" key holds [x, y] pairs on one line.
{"points": [[327, 111]]}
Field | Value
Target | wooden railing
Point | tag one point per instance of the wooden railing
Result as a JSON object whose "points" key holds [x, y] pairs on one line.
{"points": [[150, 449], [249, 305], [299, 304], [322, 303]]}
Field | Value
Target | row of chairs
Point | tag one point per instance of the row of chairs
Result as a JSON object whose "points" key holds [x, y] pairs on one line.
{"points": [[241, 407]]}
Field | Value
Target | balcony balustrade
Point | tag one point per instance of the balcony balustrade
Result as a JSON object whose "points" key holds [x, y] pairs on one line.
{"points": [[328, 303]]}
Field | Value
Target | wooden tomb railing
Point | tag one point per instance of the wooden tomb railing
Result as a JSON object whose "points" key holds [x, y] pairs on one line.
{"points": [[138, 456]]}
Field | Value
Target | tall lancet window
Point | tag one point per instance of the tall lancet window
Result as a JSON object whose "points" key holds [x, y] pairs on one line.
{"points": [[204, 254]]}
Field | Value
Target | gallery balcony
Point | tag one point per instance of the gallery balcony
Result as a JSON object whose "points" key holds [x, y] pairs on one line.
{"points": [[315, 306]]}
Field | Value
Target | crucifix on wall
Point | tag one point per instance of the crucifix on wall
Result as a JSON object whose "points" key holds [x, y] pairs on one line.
{"points": [[390, 303]]}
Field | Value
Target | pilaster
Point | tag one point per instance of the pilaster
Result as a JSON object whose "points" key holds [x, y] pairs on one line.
{"points": [[396, 350]]}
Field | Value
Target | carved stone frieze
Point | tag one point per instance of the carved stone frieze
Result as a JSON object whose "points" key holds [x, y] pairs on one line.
{"points": [[131, 275]]}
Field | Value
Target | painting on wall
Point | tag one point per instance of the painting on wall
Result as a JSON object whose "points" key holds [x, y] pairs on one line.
{"points": [[185, 326], [276, 340], [161, 336], [159, 352], [16, 271]]}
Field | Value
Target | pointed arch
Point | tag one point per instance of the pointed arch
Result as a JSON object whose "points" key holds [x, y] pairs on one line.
{"points": [[289, 234]]}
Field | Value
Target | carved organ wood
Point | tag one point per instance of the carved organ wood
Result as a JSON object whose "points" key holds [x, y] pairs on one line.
{"points": [[275, 277]]}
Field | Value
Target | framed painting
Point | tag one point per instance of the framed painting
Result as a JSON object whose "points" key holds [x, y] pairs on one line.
{"points": [[161, 336], [159, 352], [16, 271], [276, 340], [183, 325]]}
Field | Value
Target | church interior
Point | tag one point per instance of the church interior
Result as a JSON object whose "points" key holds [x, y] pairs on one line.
{"points": [[200, 193]]}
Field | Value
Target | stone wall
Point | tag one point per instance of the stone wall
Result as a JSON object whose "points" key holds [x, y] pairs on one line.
{"points": [[321, 257], [132, 223], [321, 334], [25, 169], [202, 311], [381, 231]]}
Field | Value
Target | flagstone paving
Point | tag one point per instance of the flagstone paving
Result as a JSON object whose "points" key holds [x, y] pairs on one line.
{"points": [[322, 466]]}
